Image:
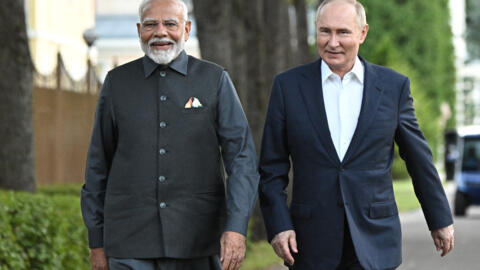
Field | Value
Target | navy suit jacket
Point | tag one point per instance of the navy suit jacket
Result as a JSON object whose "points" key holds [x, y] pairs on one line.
{"points": [[326, 190]]}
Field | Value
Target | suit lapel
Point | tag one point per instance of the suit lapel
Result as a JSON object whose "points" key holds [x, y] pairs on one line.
{"points": [[312, 94], [371, 99]]}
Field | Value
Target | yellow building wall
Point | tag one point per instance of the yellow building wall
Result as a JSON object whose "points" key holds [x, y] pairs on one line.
{"points": [[58, 26]]}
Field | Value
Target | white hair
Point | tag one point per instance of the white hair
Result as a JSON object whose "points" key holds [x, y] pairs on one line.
{"points": [[361, 16], [160, 56], [146, 3]]}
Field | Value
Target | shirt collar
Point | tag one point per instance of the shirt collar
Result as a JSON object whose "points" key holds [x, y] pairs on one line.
{"points": [[358, 70], [179, 64]]}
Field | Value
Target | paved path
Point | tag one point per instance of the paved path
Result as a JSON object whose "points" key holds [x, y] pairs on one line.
{"points": [[419, 252]]}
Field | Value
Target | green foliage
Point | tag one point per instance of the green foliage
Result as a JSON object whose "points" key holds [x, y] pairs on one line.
{"points": [[260, 255], [40, 231], [60, 189], [414, 37], [424, 106], [405, 195]]}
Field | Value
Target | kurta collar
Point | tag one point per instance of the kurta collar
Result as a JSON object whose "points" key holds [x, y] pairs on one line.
{"points": [[179, 64]]}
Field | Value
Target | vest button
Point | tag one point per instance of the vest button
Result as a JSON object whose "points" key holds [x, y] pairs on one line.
{"points": [[161, 179], [162, 151], [163, 73], [163, 98], [163, 124], [163, 205]]}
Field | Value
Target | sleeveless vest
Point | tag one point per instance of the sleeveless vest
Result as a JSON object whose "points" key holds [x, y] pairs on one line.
{"points": [[165, 191]]}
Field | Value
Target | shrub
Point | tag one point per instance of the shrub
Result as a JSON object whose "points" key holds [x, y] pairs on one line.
{"points": [[60, 189], [39, 231]]}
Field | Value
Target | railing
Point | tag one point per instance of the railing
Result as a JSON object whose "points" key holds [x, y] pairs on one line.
{"points": [[60, 79]]}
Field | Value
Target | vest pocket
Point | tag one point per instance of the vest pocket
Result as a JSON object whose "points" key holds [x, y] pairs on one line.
{"points": [[195, 110], [383, 209]]}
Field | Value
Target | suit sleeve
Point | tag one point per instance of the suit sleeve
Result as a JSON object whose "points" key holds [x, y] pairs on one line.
{"points": [[274, 166], [99, 158], [239, 157], [414, 150]]}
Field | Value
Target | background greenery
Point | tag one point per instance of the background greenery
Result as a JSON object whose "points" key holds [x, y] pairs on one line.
{"points": [[414, 38], [42, 231]]}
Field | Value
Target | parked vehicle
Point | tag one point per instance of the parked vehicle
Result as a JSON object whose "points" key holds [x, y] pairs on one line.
{"points": [[467, 169]]}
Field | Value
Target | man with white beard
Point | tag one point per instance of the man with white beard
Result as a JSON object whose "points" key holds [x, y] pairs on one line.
{"points": [[167, 126]]}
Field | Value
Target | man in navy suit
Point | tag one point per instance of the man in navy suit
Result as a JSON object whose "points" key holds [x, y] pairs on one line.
{"points": [[336, 120]]}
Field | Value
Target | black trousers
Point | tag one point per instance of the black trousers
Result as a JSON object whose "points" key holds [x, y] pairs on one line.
{"points": [[349, 259]]}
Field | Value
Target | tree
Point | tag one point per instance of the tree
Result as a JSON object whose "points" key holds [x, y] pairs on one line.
{"points": [[303, 49], [418, 31], [251, 39], [473, 24], [16, 131]]}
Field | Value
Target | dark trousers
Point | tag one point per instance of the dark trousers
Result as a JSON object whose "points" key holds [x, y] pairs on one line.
{"points": [[206, 263], [349, 259]]}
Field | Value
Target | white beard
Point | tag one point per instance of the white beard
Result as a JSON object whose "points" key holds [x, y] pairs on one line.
{"points": [[163, 57]]}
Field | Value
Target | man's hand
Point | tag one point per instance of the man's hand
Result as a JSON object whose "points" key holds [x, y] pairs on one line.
{"points": [[282, 243], [233, 247], [98, 260], [443, 239]]}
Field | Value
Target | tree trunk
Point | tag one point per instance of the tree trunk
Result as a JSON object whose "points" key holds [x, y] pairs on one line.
{"points": [[277, 29], [253, 42], [213, 33], [303, 50], [231, 33], [16, 131]]}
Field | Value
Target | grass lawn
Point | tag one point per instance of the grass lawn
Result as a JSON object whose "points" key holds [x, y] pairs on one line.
{"points": [[260, 256], [405, 196]]}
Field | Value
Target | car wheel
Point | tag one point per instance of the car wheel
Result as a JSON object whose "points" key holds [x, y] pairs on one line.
{"points": [[461, 203]]}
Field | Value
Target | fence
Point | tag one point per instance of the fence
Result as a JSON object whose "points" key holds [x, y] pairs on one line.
{"points": [[63, 111]]}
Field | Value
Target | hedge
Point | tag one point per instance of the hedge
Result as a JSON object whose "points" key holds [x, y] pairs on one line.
{"points": [[41, 231]]}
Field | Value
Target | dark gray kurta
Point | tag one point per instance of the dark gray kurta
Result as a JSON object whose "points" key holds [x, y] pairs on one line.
{"points": [[154, 177]]}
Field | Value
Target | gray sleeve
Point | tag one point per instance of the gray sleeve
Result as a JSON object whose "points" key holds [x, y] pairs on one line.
{"points": [[239, 157], [99, 158]]}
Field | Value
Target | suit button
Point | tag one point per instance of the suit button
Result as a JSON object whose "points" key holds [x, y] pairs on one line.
{"points": [[162, 179], [163, 124], [163, 205], [163, 73], [163, 98], [342, 168], [162, 151]]}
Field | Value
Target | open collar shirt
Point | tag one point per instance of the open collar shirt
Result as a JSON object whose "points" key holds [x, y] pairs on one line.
{"points": [[343, 101]]}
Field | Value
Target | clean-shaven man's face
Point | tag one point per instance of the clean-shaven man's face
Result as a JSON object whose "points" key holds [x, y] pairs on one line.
{"points": [[163, 30], [339, 36]]}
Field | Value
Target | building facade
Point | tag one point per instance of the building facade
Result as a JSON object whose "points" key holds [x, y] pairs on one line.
{"points": [[57, 26], [468, 70]]}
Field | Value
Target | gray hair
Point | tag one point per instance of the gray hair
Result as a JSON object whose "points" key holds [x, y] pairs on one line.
{"points": [[146, 3], [361, 16]]}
